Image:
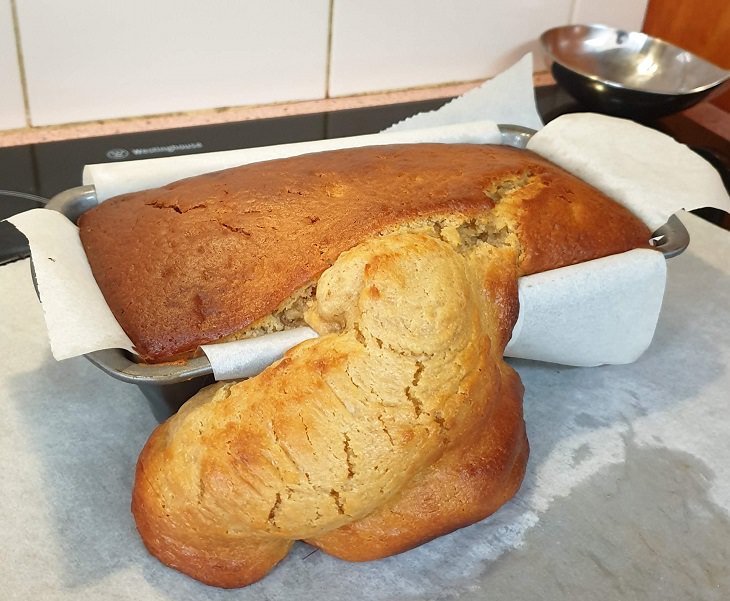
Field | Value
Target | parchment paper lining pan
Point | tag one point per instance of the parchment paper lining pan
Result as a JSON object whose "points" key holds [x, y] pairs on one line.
{"points": [[167, 386]]}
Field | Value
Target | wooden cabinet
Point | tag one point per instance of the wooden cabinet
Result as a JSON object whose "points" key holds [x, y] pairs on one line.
{"points": [[700, 26]]}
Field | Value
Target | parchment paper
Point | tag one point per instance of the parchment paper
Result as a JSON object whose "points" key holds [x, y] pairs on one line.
{"points": [[592, 313], [626, 495], [246, 358], [77, 317], [651, 173]]}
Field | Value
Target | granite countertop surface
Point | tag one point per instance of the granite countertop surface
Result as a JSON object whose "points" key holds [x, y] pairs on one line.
{"points": [[627, 492]]}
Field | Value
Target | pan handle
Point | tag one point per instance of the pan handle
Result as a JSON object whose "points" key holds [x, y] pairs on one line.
{"points": [[670, 239], [74, 201]]}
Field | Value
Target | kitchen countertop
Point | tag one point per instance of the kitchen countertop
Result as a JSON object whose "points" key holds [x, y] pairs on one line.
{"points": [[627, 492]]}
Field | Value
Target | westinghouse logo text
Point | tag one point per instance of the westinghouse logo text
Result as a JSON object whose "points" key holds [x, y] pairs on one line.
{"points": [[116, 154]]}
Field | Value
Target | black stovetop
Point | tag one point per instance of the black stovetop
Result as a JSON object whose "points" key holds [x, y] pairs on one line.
{"points": [[45, 169]]}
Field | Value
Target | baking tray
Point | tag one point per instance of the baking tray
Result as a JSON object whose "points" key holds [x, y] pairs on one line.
{"points": [[167, 386]]}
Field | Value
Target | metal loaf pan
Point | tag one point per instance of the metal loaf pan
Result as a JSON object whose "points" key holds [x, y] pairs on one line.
{"points": [[167, 386]]}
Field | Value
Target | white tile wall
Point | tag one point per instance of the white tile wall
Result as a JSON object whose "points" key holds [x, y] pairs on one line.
{"points": [[626, 15], [12, 111], [386, 44], [87, 60]]}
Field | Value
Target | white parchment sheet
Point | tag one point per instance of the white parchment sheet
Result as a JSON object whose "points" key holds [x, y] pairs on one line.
{"points": [[626, 495]]}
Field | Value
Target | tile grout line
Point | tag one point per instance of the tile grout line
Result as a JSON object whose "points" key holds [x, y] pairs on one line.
{"points": [[573, 4], [21, 63], [328, 62]]}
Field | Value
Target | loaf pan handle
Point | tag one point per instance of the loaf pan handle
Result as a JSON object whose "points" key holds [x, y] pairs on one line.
{"points": [[74, 201]]}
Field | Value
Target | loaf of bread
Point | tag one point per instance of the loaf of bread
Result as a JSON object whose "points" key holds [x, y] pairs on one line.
{"points": [[402, 421], [399, 424], [237, 253]]}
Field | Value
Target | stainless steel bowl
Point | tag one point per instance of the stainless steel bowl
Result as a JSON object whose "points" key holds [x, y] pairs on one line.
{"points": [[628, 74]]}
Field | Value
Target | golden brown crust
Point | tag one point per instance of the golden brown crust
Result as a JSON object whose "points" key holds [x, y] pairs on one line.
{"points": [[405, 408], [402, 421], [246, 562], [205, 258], [467, 484]]}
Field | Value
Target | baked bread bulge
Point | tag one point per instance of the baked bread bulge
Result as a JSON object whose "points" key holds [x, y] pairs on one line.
{"points": [[237, 253], [400, 423]]}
